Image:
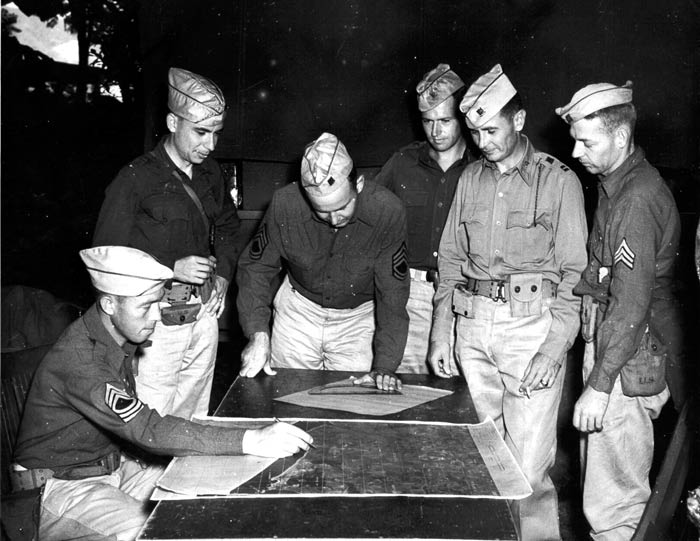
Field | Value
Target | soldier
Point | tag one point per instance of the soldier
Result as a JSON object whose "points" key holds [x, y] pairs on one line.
{"points": [[83, 410], [172, 203], [511, 252], [632, 252], [424, 175], [342, 305]]}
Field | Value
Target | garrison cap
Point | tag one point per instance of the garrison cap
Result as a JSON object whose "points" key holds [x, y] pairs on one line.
{"points": [[193, 97], [325, 167], [436, 86], [593, 98], [120, 270], [486, 97]]}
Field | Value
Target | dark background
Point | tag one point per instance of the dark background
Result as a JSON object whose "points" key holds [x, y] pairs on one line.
{"points": [[291, 70]]}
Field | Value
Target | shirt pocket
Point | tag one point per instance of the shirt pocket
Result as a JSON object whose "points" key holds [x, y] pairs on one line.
{"points": [[302, 267], [164, 220], [417, 218], [474, 221], [529, 238], [360, 272]]}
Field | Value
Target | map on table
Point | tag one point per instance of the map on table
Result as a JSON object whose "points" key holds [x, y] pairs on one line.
{"points": [[356, 458]]}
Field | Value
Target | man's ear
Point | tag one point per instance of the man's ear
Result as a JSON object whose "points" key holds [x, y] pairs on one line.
{"points": [[107, 304], [519, 120], [171, 120], [360, 183], [622, 136]]}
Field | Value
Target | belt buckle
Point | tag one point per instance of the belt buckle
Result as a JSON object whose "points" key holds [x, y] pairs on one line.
{"points": [[500, 291]]}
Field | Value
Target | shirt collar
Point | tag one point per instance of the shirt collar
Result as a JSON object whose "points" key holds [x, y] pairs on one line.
{"points": [[615, 180], [523, 167], [424, 159], [98, 333]]}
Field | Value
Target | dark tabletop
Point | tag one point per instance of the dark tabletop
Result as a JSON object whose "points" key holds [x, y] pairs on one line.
{"points": [[349, 517]]}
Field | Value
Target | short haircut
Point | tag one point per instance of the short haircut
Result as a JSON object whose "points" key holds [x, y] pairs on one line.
{"points": [[615, 116], [514, 105]]}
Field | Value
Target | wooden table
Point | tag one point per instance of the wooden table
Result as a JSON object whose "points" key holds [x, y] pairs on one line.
{"points": [[398, 517]]}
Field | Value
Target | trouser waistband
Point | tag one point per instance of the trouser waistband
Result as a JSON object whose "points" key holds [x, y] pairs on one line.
{"points": [[498, 290], [430, 275], [27, 479]]}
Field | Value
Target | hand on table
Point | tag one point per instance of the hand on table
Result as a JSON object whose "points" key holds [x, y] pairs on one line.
{"points": [[277, 440], [383, 379], [256, 356]]}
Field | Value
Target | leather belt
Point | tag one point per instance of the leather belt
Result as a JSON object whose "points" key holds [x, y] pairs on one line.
{"points": [[498, 290], [430, 275], [27, 479]]}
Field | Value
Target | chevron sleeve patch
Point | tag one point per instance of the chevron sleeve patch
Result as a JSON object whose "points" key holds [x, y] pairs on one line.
{"points": [[122, 403], [399, 263], [259, 243], [624, 255]]}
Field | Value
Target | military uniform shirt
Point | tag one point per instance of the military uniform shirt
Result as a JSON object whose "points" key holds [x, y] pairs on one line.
{"points": [[426, 191], [335, 268], [633, 248], [529, 219], [146, 207], [82, 403]]}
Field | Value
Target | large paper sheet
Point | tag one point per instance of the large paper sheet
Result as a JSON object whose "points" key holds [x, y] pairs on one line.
{"points": [[368, 404], [361, 458]]}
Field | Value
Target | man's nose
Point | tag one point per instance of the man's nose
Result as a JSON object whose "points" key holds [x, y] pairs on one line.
{"points": [[210, 142], [577, 152]]}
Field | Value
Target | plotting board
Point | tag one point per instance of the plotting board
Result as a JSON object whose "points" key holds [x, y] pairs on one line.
{"points": [[382, 459]]}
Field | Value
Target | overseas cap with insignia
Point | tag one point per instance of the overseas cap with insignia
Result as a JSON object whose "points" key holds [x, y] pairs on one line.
{"points": [[120, 270], [486, 97], [325, 167], [593, 98], [437, 85], [193, 97]]}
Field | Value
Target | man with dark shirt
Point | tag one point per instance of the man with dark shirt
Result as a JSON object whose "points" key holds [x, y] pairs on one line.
{"points": [[342, 305], [83, 407], [633, 249], [424, 176], [172, 203]]}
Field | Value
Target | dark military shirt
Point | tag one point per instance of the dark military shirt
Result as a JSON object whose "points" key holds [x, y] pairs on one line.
{"points": [[147, 207], [528, 219], [426, 191], [632, 251], [82, 403], [335, 268]]}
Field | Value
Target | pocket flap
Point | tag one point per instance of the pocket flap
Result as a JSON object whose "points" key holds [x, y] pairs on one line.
{"points": [[525, 287]]}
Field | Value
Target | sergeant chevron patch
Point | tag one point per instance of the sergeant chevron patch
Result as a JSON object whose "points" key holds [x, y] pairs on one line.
{"points": [[625, 255], [122, 403], [399, 265], [260, 241]]}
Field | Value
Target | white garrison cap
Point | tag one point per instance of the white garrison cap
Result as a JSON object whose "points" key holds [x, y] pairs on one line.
{"points": [[120, 270], [486, 97], [325, 167], [436, 86], [593, 98], [193, 97]]}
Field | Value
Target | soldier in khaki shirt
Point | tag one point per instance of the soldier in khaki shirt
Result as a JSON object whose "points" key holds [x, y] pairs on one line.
{"points": [[511, 252]]}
